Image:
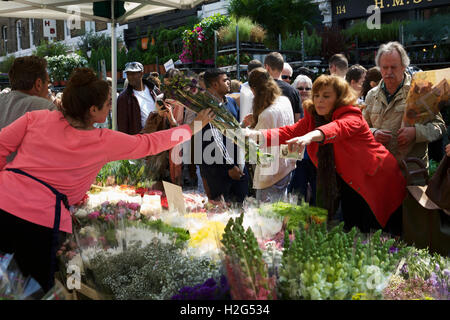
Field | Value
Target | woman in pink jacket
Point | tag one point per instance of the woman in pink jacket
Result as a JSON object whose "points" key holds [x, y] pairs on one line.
{"points": [[59, 154], [352, 166]]}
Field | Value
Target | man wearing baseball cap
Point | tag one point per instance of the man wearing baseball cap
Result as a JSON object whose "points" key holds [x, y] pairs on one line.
{"points": [[137, 101]]}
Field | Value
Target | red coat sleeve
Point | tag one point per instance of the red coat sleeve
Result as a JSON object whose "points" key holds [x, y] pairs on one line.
{"points": [[344, 126], [279, 136]]}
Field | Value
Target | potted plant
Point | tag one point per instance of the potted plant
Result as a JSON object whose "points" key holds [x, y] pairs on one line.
{"points": [[198, 43], [60, 67]]}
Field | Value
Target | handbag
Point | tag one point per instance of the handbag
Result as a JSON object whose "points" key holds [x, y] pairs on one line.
{"points": [[439, 186]]}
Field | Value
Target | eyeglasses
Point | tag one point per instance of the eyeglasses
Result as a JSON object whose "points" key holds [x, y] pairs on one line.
{"points": [[303, 89], [284, 77]]}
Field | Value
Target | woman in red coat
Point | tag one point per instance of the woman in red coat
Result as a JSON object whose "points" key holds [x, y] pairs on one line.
{"points": [[352, 166]]}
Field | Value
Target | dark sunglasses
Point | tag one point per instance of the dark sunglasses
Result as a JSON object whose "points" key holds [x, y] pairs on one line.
{"points": [[286, 77], [301, 89]]}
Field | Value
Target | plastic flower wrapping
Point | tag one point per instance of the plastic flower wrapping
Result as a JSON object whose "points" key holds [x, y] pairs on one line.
{"points": [[428, 95], [187, 92], [15, 286]]}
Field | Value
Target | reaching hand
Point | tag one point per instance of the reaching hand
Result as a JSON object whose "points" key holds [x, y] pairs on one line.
{"points": [[447, 150], [383, 136], [203, 117], [406, 135], [298, 144], [235, 173], [166, 111], [248, 120]]}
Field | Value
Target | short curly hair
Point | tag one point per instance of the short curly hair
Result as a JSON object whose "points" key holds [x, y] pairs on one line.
{"points": [[25, 71]]}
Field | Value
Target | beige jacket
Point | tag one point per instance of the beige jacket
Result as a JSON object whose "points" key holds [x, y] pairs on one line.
{"points": [[381, 115]]}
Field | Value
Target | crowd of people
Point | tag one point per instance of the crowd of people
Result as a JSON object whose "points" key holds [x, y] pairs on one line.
{"points": [[347, 122]]}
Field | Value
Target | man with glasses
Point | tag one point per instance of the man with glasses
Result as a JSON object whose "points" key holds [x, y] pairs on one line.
{"points": [[274, 64], [29, 90], [137, 101], [286, 74]]}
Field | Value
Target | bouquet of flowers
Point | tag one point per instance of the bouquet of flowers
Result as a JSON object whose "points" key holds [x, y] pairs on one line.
{"points": [[186, 91], [428, 95]]}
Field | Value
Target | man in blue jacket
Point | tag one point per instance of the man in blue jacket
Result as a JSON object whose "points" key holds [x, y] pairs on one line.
{"points": [[219, 167]]}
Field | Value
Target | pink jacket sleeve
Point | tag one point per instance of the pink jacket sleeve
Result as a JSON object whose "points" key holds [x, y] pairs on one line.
{"points": [[11, 137], [120, 146]]}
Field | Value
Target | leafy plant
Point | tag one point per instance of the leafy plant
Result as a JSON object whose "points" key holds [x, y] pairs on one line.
{"points": [[50, 49], [60, 67], [132, 172], [387, 32], [336, 265], [198, 43], [297, 214], [227, 34], [246, 270], [277, 16], [6, 64]]}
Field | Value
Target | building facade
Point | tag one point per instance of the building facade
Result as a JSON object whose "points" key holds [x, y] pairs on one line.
{"points": [[21, 36]]}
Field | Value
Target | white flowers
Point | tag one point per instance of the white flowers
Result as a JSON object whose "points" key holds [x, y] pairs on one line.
{"points": [[60, 67]]}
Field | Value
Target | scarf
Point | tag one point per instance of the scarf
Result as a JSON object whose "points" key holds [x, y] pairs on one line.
{"points": [[327, 184]]}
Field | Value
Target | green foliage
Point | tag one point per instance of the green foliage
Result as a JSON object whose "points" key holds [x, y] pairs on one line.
{"points": [[312, 42], [434, 29], [298, 215], [386, 33], [6, 64], [50, 49], [248, 31], [336, 265], [94, 40], [433, 165], [244, 262], [132, 172], [277, 16], [182, 235], [231, 59], [198, 42]]}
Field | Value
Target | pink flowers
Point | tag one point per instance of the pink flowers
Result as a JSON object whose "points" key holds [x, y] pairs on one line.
{"points": [[133, 206], [94, 215]]}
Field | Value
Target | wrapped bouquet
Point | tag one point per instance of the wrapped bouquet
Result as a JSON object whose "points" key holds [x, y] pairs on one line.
{"points": [[187, 92], [429, 93]]}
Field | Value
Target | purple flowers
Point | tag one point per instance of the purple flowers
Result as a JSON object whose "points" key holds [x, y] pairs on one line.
{"points": [[393, 250], [209, 290]]}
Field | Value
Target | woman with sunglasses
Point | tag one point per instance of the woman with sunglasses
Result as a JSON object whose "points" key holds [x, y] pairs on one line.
{"points": [[303, 85]]}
